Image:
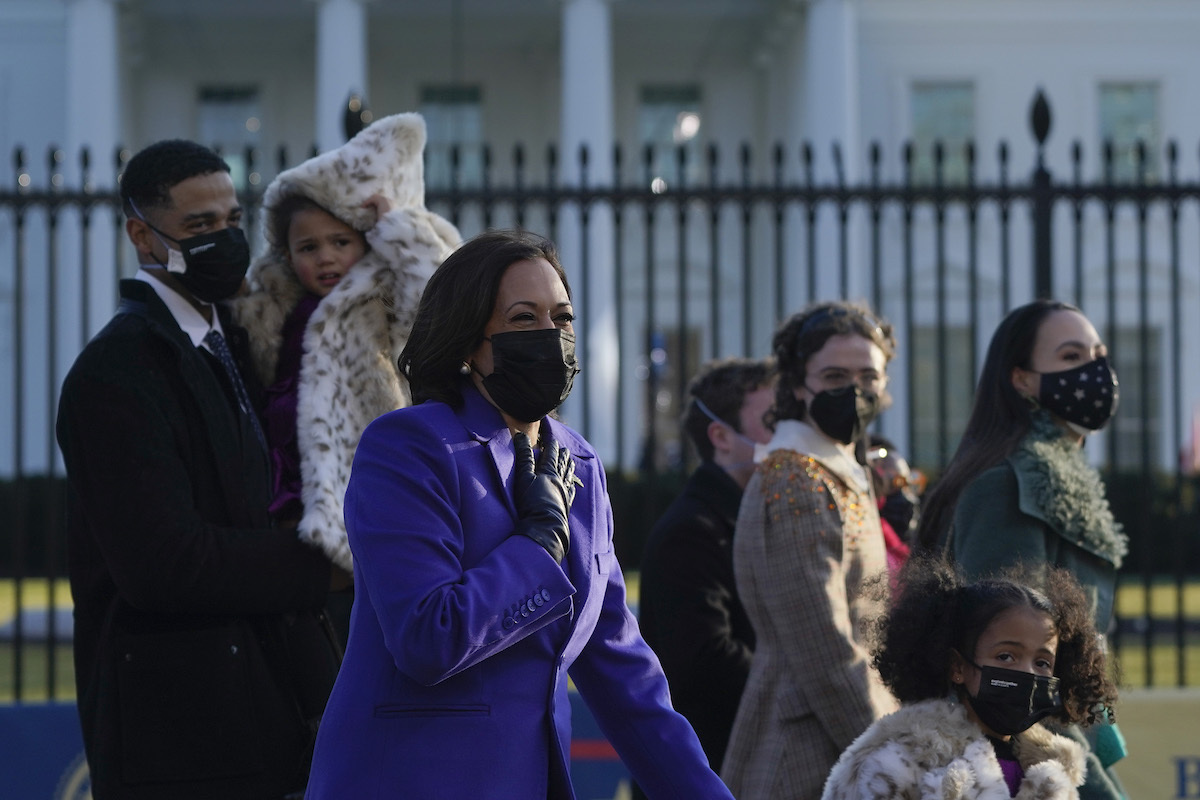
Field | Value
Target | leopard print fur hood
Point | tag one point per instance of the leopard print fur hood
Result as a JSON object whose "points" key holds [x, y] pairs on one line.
{"points": [[931, 750], [348, 374]]}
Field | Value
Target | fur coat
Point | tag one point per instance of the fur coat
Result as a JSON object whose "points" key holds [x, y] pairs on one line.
{"points": [[348, 374], [930, 750]]}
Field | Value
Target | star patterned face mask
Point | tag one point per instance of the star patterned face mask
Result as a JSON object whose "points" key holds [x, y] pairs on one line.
{"points": [[1085, 396]]}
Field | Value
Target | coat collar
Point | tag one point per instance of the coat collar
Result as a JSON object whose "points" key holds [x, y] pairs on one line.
{"points": [[713, 486], [485, 425], [1058, 486], [792, 434], [223, 424]]}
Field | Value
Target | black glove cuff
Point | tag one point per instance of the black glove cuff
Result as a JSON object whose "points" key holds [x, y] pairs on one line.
{"points": [[548, 539]]}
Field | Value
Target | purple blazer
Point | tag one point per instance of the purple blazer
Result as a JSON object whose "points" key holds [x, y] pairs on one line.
{"points": [[454, 683]]}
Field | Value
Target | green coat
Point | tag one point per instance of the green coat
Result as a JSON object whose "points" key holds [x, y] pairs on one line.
{"points": [[1004, 517], [999, 522]]}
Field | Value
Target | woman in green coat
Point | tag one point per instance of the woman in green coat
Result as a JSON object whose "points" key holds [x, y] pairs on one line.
{"points": [[1020, 490]]}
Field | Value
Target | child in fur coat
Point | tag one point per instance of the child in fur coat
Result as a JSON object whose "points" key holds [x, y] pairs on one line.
{"points": [[330, 305], [976, 666]]}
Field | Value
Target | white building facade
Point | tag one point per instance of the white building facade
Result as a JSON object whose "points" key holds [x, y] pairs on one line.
{"points": [[277, 73]]}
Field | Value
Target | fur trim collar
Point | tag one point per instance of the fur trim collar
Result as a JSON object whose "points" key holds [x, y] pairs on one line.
{"points": [[931, 749], [800, 437], [1068, 491]]}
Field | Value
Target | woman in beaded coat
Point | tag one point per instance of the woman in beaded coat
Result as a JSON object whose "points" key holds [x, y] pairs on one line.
{"points": [[807, 540]]}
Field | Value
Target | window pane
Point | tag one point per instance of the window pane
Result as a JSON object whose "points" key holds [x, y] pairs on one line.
{"points": [[1128, 115], [960, 393], [1138, 420], [453, 117], [669, 118], [941, 112], [229, 120]]}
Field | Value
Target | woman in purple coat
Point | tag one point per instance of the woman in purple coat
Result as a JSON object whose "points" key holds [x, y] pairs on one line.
{"points": [[484, 569]]}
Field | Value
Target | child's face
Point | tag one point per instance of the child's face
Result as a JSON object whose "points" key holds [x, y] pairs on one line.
{"points": [[322, 249], [1021, 638]]}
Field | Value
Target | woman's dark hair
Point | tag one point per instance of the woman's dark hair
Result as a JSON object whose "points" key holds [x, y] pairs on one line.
{"points": [[999, 419], [455, 308], [938, 613], [804, 333]]}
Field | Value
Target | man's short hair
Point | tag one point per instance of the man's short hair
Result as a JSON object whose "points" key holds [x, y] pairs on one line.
{"points": [[150, 175], [722, 386]]}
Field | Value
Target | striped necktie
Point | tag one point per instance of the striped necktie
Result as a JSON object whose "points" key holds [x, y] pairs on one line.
{"points": [[220, 349]]}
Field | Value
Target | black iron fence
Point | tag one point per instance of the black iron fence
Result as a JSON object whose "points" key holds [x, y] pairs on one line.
{"points": [[672, 265]]}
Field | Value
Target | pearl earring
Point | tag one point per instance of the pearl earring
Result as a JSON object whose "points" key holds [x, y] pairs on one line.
{"points": [[465, 369]]}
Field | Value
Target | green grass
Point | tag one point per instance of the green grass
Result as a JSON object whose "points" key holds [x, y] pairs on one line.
{"points": [[1131, 657], [35, 659], [1162, 601], [35, 656]]}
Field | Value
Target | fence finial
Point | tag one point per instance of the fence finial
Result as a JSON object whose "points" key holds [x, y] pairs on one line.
{"points": [[1039, 117]]}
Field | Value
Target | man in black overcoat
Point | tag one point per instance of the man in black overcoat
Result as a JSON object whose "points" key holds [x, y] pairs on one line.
{"points": [[689, 610], [202, 661]]}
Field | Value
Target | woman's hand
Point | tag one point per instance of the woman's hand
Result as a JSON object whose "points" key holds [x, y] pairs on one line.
{"points": [[543, 494]]}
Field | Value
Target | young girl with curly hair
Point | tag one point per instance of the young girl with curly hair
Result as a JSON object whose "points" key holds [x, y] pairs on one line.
{"points": [[976, 666]]}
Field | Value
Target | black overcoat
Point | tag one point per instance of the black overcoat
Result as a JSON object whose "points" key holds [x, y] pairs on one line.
{"points": [[689, 610], [200, 656]]}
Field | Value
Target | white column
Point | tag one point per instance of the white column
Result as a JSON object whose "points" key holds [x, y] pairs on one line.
{"points": [[93, 95], [831, 84], [831, 114], [94, 121], [341, 65], [587, 119]]}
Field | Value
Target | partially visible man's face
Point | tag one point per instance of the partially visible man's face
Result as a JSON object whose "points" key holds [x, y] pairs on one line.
{"points": [[754, 407], [740, 462], [199, 204]]}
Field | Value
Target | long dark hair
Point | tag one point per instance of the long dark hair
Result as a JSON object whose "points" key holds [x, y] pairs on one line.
{"points": [[999, 419], [806, 332], [938, 612], [455, 308]]}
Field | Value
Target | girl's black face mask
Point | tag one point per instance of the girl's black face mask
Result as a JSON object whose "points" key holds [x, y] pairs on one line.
{"points": [[1009, 701], [532, 372]]}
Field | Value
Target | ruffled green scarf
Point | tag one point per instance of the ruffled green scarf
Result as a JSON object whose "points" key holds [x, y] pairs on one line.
{"points": [[1068, 489]]}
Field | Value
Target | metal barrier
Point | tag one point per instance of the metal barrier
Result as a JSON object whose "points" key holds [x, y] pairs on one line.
{"points": [[705, 262]]}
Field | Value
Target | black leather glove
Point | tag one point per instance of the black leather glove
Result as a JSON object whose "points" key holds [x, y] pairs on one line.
{"points": [[543, 494]]}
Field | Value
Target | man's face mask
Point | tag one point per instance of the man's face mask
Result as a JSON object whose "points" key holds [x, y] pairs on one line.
{"points": [[708, 413], [844, 414], [211, 266], [1009, 701], [532, 372]]}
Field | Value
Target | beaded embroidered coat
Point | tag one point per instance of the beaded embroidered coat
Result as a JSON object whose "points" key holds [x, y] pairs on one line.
{"points": [[807, 539]]}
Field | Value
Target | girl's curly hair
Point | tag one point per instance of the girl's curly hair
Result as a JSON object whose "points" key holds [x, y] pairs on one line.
{"points": [[937, 612]]}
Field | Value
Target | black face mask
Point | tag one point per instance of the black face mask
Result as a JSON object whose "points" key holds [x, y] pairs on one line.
{"points": [[1009, 701], [1086, 395], [532, 372], [211, 266], [898, 510], [844, 414]]}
